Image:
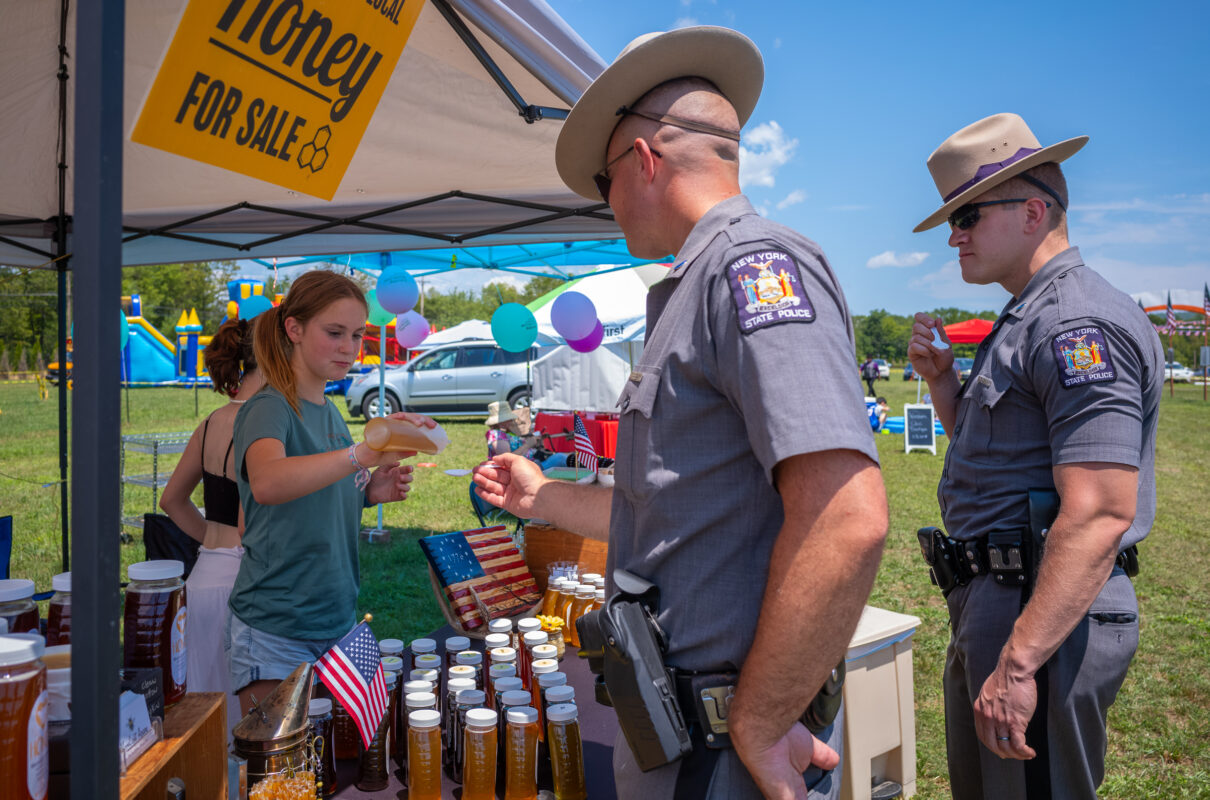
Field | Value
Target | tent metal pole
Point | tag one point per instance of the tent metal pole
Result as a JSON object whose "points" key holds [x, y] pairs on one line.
{"points": [[61, 266], [96, 399]]}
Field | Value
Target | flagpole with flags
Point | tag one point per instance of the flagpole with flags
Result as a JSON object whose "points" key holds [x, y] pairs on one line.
{"points": [[1170, 324]]}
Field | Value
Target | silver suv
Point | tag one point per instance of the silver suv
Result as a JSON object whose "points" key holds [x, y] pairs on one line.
{"points": [[458, 378]]}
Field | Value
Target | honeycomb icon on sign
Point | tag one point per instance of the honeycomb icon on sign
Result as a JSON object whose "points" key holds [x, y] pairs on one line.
{"points": [[314, 154]]}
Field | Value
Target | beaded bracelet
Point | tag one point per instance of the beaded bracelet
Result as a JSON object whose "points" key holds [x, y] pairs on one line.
{"points": [[363, 474]]}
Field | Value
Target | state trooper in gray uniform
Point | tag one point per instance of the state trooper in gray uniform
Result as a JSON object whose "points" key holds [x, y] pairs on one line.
{"points": [[1049, 480], [747, 487]]}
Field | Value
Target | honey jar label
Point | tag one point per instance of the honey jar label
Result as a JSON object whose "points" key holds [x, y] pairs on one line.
{"points": [[180, 665], [37, 762]]}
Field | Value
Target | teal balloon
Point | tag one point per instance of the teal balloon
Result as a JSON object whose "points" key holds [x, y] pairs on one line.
{"points": [[124, 329], [255, 304], [514, 327], [397, 290], [378, 315]]}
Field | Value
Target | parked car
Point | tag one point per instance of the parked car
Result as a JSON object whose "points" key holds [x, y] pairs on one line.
{"points": [[908, 372], [884, 369], [452, 379], [963, 367], [1176, 371]]}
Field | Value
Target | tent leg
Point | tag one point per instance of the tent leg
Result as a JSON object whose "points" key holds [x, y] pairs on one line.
{"points": [[95, 419]]}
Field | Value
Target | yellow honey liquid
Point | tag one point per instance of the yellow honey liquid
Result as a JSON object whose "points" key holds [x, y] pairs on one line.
{"points": [[479, 766], [521, 762], [563, 607], [579, 607], [424, 763], [399, 435], [548, 600], [566, 760]]}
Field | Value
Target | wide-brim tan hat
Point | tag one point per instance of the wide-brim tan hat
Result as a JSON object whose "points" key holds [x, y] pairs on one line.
{"points": [[498, 412], [726, 58], [984, 155]]}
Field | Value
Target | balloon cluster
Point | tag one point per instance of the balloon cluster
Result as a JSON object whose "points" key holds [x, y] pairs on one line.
{"points": [[396, 296], [575, 318]]}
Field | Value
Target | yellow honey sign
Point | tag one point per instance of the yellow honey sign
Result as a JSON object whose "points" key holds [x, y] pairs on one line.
{"points": [[280, 90]]}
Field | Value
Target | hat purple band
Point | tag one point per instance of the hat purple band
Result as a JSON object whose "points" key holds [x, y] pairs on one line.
{"points": [[987, 170]]}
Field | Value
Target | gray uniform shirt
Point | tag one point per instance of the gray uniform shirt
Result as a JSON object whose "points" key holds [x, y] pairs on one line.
{"points": [[749, 359], [1072, 372]]}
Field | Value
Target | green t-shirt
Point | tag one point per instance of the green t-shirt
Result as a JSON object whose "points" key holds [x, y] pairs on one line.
{"points": [[299, 575]]}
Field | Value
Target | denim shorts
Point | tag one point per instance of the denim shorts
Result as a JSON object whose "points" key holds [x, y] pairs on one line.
{"points": [[255, 655]]}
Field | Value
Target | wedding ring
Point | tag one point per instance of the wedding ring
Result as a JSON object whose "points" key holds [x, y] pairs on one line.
{"points": [[1003, 738]]}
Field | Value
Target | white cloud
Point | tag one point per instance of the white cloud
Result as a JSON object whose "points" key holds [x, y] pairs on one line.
{"points": [[767, 149], [793, 198], [777, 43], [684, 22], [512, 281], [890, 258], [946, 287]]}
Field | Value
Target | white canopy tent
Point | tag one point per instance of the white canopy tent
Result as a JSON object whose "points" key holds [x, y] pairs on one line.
{"points": [[563, 379], [460, 150], [448, 157]]}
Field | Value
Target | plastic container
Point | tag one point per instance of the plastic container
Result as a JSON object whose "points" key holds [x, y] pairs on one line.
{"points": [[546, 682], [598, 599], [58, 611], [566, 752], [530, 640], [414, 701], [57, 660], [319, 715], [494, 640], [579, 607], [24, 732], [424, 755], [449, 716], [567, 596], [473, 659], [550, 595], [521, 754], [480, 748], [453, 646], [374, 769], [466, 701], [422, 647], [346, 739], [509, 700], [399, 435], [154, 623], [391, 647], [17, 606]]}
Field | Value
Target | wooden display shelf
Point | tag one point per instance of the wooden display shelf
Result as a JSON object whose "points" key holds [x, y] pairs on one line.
{"points": [[194, 749]]}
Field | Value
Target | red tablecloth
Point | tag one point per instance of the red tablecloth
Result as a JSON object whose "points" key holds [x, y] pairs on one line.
{"points": [[602, 430]]}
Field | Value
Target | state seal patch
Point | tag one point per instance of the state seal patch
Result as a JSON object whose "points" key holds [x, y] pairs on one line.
{"points": [[768, 290], [1082, 355]]}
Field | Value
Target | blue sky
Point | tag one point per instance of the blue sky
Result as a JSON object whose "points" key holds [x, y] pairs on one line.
{"points": [[857, 94]]}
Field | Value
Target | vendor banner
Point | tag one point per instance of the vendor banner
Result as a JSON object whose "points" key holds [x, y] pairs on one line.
{"points": [[280, 90]]}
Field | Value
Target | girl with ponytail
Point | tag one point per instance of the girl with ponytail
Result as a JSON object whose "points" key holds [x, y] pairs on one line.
{"points": [[303, 484], [207, 460]]}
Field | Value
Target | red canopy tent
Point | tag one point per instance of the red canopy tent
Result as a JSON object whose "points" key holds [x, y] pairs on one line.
{"points": [[972, 331]]}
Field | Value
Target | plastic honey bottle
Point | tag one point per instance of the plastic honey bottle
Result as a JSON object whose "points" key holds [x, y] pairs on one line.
{"points": [[566, 752], [399, 435], [424, 755], [520, 754], [579, 607], [479, 759]]}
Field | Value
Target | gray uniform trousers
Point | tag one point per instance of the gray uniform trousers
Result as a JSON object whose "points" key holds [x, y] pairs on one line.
{"points": [[730, 781], [1083, 678]]}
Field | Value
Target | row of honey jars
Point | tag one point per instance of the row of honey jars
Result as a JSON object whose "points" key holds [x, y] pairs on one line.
{"points": [[19, 612]]}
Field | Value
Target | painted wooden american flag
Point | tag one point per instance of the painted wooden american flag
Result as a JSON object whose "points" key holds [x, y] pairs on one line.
{"points": [[483, 562]]}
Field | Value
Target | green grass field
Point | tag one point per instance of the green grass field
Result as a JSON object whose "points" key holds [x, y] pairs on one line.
{"points": [[1159, 728]]}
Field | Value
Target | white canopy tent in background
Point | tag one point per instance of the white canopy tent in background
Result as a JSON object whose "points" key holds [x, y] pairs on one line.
{"points": [[563, 379]]}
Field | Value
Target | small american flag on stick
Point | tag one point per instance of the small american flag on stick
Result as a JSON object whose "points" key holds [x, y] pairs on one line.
{"points": [[352, 671], [1170, 318], [586, 454]]}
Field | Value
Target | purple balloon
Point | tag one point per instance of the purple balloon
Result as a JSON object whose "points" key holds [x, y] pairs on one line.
{"points": [[410, 330], [397, 291], [573, 315], [590, 342]]}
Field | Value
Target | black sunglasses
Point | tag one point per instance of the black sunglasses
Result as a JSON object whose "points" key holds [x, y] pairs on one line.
{"points": [[965, 217], [602, 179]]}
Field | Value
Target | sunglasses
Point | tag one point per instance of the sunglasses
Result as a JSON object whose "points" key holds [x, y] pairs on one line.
{"points": [[965, 217], [602, 179]]}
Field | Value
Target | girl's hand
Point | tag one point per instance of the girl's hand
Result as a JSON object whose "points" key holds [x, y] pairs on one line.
{"points": [[389, 484]]}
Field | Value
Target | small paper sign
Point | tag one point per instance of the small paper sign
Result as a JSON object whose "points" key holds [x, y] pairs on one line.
{"points": [[136, 733]]}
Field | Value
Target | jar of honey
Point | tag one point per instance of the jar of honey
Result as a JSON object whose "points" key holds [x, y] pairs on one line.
{"points": [[319, 717], [346, 739], [579, 607], [466, 701], [58, 612], [424, 755], [153, 633], [508, 701], [480, 749], [390, 647], [414, 701], [453, 646], [17, 607], [494, 640], [566, 751], [474, 660], [422, 647], [520, 754], [567, 596], [504, 626], [546, 682], [24, 720], [549, 597], [449, 716], [373, 773], [530, 640], [598, 599]]}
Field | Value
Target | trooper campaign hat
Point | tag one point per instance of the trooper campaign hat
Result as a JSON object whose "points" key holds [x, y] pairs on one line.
{"points": [[984, 155], [726, 58]]}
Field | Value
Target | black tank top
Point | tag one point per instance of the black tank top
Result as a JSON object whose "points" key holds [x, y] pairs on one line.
{"points": [[220, 494]]}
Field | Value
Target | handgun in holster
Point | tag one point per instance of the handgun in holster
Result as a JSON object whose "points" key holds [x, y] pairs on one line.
{"points": [[625, 649], [942, 559]]}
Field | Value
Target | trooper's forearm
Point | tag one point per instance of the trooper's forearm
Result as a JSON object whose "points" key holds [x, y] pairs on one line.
{"points": [[580, 509], [944, 390]]}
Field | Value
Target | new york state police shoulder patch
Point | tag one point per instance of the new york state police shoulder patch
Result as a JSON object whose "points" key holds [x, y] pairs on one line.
{"points": [[768, 290], [1082, 356]]}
